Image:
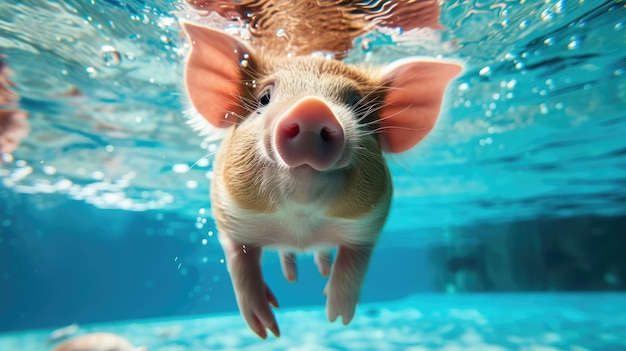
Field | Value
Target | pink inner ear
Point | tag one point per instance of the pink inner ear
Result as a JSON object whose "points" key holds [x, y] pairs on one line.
{"points": [[413, 100], [213, 74]]}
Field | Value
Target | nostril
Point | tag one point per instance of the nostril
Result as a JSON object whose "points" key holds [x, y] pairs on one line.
{"points": [[292, 130], [326, 134]]}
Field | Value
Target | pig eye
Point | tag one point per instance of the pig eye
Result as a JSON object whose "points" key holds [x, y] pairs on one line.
{"points": [[266, 96], [353, 97]]}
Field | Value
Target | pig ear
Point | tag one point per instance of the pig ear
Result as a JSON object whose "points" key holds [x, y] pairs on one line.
{"points": [[214, 75], [412, 101]]}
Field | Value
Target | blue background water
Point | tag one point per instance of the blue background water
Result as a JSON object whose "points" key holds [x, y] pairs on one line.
{"points": [[104, 206]]}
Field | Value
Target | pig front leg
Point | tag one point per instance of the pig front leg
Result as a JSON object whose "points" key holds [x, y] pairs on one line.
{"points": [[346, 277], [254, 297]]}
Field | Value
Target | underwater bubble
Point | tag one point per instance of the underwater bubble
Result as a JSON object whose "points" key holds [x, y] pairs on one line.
{"points": [[325, 54], [202, 211], [549, 41], [205, 241], [109, 148], [543, 108], [547, 15], [164, 39], [463, 86], [243, 63], [180, 168], [63, 184], [511, 84], [64, 72], [575, 43], [110, 56], [485, 71], [365, 45], [618, 25], [210, 233], [191, 184], [203, 162], [618, 72], [6, 157], [221, 260], [486, 141], [21, 173], [92, 72], [523, 24], [282, 33], [49, 170]]}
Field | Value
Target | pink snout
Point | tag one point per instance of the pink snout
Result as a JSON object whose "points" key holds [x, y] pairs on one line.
{"points": [[309, 134]]}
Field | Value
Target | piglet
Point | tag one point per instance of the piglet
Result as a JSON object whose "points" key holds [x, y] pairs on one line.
{"points": [[301, 167]]}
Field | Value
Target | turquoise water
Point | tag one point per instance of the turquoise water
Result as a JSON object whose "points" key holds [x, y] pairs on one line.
{"points": [[534, 129], [418, 323]]}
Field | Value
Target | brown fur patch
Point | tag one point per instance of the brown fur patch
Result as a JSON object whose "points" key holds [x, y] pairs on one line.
{"points": [[241, 174], [368, 184]]}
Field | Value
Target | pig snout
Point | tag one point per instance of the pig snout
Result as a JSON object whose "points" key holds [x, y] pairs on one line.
{"points": [[310, 134]]}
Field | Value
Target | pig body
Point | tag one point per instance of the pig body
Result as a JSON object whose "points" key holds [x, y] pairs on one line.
{"points": [[260, 201], [301, 165]]}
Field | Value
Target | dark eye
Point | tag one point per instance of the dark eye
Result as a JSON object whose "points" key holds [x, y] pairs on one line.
{"points": [[353, 97], [266, 96]]}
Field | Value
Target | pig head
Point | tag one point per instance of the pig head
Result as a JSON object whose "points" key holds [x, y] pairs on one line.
{"points": [[301, 165]]}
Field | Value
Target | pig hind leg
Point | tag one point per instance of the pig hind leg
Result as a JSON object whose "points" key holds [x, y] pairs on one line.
{"points": [[346, 277], [288, 264], [323, 260]]}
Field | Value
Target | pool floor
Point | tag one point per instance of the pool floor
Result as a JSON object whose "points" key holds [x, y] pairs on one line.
{"points": [[540, 322]]}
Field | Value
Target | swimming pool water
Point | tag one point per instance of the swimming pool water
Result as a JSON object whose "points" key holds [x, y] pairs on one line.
{"points": [[534, 128]]}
